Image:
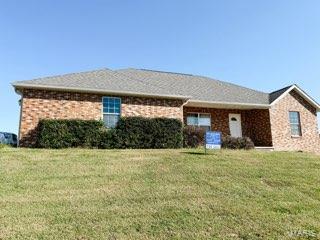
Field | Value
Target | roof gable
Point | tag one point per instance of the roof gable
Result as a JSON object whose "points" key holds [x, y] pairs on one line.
{"points": [[274, 95], [278, 95]]}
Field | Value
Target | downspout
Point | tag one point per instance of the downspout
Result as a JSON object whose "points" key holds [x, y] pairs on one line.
{"points": [[182, 106]]}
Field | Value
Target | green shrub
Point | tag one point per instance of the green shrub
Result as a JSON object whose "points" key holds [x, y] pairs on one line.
{"points": [[69, 133], [131, 132], [136, 132], [193, 136], [110, 139], [139, 132], [237, 143]]}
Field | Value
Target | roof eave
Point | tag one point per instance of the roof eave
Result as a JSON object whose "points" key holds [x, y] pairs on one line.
{"points": [[229, 105], [18, 86]]}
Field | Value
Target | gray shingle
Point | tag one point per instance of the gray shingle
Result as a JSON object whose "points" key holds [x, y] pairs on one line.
{"points": [[198, 87], [274, 95], [104, 80], [149, 82]]}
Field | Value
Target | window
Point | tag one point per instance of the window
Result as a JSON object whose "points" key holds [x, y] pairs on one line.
{"points": [[111, 111], [295, 123], [200, 120]]}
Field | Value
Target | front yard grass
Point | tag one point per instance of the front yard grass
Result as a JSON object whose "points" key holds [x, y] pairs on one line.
{"points": [[158, 194]]}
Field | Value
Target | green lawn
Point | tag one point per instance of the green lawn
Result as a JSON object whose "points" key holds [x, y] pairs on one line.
{"points": [[158, 194]]}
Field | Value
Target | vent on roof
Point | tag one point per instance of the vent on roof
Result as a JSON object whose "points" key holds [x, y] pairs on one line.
{"points": [[186, 74]]}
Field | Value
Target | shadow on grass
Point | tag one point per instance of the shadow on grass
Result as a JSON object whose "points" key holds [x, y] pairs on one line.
{"points": [[198, 152], [194, 153]]}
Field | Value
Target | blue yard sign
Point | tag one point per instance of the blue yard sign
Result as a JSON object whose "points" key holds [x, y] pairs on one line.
{"points": [[212, 140]]}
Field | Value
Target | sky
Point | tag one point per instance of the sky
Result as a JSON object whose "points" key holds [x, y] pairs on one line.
{"points": [[264, 45]]}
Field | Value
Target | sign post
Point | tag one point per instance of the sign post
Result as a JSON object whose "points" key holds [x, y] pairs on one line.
{"points": [[212, 140]]}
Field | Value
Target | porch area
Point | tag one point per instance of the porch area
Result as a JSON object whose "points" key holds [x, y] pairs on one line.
{"points": [[252, 123]]}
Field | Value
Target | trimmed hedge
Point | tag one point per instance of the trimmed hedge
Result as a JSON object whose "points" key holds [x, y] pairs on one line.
{"points": [[69, 133], [139, 132], [131, 132]]}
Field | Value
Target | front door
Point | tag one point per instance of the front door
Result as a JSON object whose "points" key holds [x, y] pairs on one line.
{"points": [[235, 125]]}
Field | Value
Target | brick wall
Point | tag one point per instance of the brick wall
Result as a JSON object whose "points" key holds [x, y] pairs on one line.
{"points": [[41, 104], [259, 127], [151, 107], [255, 123], [280, 124]]}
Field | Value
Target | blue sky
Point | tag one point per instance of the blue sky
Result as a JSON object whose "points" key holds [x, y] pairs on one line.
{"points": [[264, 45]]}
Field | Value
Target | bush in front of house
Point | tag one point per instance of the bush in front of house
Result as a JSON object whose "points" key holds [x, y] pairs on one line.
{"points": [[139, 132], [110, 139], [237, 143], [168, 134], [193, 136], [69, 133], [131, 132]]}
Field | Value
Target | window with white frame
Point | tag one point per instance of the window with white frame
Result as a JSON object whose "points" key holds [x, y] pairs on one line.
{"points": [[111, 111], [295, 123], [202, 120]]}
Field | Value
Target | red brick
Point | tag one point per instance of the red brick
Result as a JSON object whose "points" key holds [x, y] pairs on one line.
{"points": [[281, 131], [40, 104], [255, 123]]}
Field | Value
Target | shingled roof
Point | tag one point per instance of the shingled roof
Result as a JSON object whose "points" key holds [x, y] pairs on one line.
{"points": [[143, 82], [274, 95], [99, 81], [198, 87], [150, 83]]}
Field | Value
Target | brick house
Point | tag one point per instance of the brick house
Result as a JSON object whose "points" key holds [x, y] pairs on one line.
{"points": [[284, 120]]}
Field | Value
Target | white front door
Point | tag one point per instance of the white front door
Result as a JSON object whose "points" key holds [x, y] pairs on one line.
{"points": [[235, 125]]}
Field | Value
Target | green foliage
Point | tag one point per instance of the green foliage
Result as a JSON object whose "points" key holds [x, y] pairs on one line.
{"points": [[139, 132], [193, 136], [110, 139], [237, 143], [131, 132], [69, 133]]}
